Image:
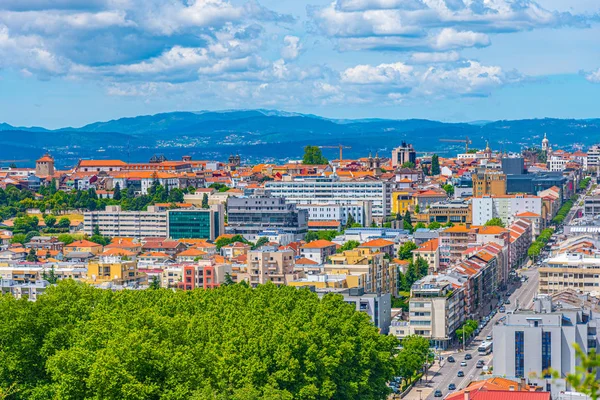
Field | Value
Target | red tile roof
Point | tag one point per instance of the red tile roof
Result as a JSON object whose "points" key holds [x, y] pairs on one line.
{"points": [[318, 244], [377, 243]]}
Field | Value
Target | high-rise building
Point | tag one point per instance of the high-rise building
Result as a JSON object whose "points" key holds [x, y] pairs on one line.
{"points": [[489, 182], [593, 157], [403, 154]]}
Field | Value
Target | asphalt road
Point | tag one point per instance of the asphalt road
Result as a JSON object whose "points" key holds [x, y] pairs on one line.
{"points": [[447, 373]]}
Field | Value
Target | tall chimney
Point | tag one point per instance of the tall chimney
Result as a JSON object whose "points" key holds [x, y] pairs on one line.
{"points": [[467, 394], [522, 384]]}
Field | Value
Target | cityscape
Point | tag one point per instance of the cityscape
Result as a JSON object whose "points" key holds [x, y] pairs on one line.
{"points": [[311, 199]]}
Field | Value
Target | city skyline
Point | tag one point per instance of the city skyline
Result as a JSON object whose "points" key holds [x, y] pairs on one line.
{"points": [[68, 63]]}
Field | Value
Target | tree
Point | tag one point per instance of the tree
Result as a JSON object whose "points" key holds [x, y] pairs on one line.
{"points": [[261, 242], [408, 164], [82, 343], [407, 217], [434, 225], [495, 222], [175, 195], [349, 245], [313, 156], [584, 379], [117, 192], [30, 235], [405, 252], [205, 201], [311, 236], [350, 222], [66, 238], [19, 238], [12, 165], [419, 225], [417, 209], [64, 223], [228, 281], [435, 165], [50, 220], [449, 189], [31, 256], [155, 284]]}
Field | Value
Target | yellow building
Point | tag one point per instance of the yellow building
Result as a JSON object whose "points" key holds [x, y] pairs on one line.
{"points": [[489, 182], [401, 201], [380, 276], [115, 270], [83, 246]]}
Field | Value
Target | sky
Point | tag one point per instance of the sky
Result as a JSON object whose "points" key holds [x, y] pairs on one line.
{"points": [[72, 62]]}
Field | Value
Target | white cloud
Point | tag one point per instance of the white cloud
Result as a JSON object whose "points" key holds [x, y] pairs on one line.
{"points": [[292, 47], [384, 73], [431, 58], [593, 76], [449, 39]]}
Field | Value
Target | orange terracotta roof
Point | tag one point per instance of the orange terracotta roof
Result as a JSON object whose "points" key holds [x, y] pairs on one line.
{"points": [[457, 229], [192, 253], [101, 163], [528, 214], [318, 244], [377, 243], [83, 243], [492, 230], [332, 224], [155, 254], [305, 261], [429, 246]]}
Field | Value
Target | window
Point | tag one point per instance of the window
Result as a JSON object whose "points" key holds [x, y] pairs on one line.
{"points": [[546, 353], [519, 354]]}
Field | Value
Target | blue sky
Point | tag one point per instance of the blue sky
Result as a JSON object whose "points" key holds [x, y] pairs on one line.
{"points": [[71, 62]]}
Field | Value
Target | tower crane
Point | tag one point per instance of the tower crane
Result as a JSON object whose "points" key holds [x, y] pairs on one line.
{"points": [[466, 141], [340, 146]]}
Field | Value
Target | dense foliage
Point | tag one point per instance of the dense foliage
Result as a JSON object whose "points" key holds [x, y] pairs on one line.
{"points": [[584, 183], [313, 156], [563, 212], [415, 270], [234, 342], [435, 165], [495, 222], [321, 235], [467, 330], [536, 247]]}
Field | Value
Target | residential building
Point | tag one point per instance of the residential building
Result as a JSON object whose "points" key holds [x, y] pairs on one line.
{"points": [[500, 388], [83, 246], [576, 271], [537, 222], [402, 201], [380, 245], [426, 198], [455, 211], [521, 237], [504, 207], [248, 216], [204, 274], [403, 154], [430, 252], [318, 250], [269, 266], [489, 182], [527, 343], [119, 270], [380, 275], [114, 222], [591, 206], [593, 158], [19, 290], [360, 211], [334, 190], [557, 164], [453, 242]]}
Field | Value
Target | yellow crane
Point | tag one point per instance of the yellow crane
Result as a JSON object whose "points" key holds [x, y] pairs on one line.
{"points": [[340, 146], [466, 141]]}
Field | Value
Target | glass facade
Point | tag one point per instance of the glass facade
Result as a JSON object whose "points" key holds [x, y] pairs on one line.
{"points": [[520, 354], [546, 352], [190, 224]]}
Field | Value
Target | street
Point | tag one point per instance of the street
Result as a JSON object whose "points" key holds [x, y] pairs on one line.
{"points": [[439, 377]]}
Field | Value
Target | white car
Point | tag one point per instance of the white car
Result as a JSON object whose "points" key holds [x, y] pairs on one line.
{"points": [[488, 337], [463, 363]]}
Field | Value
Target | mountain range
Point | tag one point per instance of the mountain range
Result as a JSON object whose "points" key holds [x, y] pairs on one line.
{"points": [[269, 135]]}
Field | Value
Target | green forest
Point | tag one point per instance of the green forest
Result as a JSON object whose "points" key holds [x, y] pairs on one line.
{"points": [[78, 342]]}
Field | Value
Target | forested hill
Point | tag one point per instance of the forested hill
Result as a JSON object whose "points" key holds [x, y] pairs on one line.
{"points": [[262, 135]]}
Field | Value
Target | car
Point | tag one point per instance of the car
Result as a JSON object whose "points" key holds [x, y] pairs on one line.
{"points": [[463, 363], [488, 337], [468, 356], [479, 365], [460, 374], [452, 386], [507, 302], [438, 393], [451, 359], [502, 309]]}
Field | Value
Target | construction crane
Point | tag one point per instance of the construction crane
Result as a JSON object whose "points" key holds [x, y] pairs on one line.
{"points": [[340, 146], [466, 141]]}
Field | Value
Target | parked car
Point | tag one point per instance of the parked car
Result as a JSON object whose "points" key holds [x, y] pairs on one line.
{"points": [[451, 359], [488, 337], [438, 393], [468, 356], [507, 301], [460, 374], [502, 309], [452, 386]]}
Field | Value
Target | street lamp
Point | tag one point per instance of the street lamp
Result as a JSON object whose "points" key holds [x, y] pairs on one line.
{"points": [[419, 391]]}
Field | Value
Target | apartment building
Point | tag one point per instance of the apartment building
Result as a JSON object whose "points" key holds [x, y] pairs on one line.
{"points": [[336, 191], [455, 211], [557, 164], [576, 271], [521, 237], [204, 274], [249, 216], [591, 207], [269, 266], [359, 210], [318, 250], [453, 242], [489, 182], [430, 252], [403, 154], [504, 207], [114, 269], [593, 158], [529, 342]]}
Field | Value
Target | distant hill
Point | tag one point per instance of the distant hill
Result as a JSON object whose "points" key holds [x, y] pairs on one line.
{"points": [[270, 135]]}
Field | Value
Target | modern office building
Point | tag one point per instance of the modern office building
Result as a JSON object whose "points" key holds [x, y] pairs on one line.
{"points": [[534, 183], [529, 342], [336, 191], [593, 158], [249, 216], [513, 165], [196, 223], [403, 154], [504, 207]]}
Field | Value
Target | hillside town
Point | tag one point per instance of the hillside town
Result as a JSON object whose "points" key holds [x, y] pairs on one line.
{"points": [[485, 246]]}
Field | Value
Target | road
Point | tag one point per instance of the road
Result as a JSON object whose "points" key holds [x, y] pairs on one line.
{"points": [[447, 372]]}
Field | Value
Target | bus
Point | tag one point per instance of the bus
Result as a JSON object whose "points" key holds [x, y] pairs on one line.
{"points": [[485, 348]]}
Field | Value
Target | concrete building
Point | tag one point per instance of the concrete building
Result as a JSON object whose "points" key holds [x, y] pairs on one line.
{"points": [[359, 210], [44, 166], [513, 165], [452, 244], [455, 211], [204, 274], [336, 191], [504, 207], [489, 182], [114, 222], [269, 266], [529, 342], [557, 164], [591, 207], [196, 223], [318, 250], [403, 154], [593, 158], [430, 252], [249, 216], [574, 271]]}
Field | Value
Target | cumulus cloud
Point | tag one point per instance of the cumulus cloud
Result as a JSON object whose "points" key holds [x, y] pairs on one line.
{"points": [[432, 58], [593, 76], [292, 47], [403, 24], [383, 73]]}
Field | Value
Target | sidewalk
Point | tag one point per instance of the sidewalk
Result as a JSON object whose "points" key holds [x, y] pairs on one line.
{"points": [[422, 389]]}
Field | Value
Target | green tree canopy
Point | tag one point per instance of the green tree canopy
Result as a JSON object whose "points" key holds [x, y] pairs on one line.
{"points": [[405, 252], [313, 156], [78, 342], [449, 189], [435, 165], [408, 164], [349, 245], [495, 222]]}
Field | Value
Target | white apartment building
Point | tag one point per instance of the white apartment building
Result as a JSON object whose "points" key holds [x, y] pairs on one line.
{"points": [[504, 207], [557, 164], [115, 222], [570, 271], [360, 211], [335, 191], [593, 158]]}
